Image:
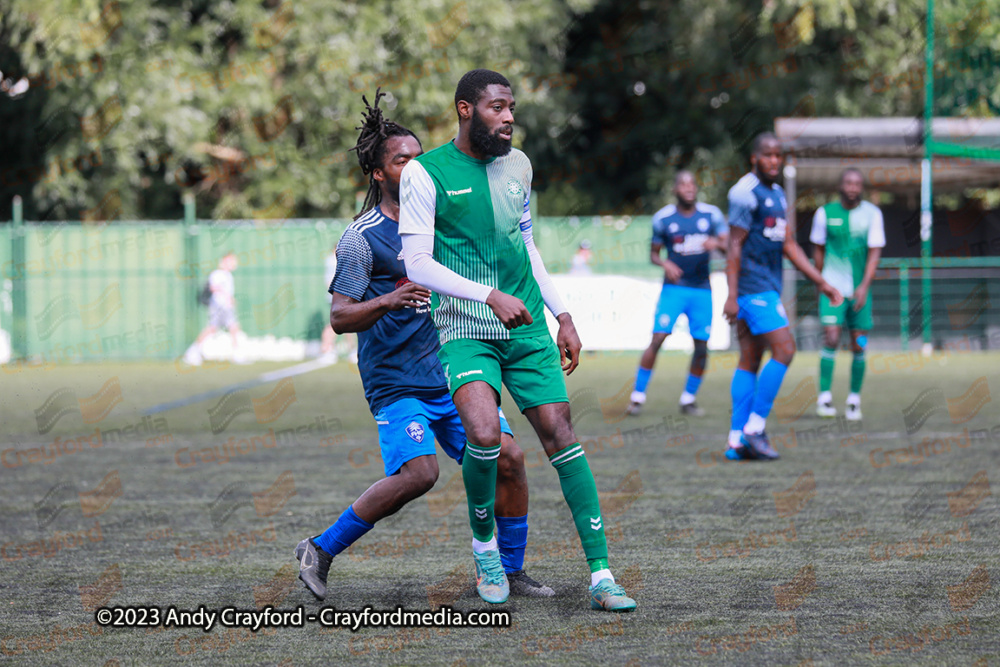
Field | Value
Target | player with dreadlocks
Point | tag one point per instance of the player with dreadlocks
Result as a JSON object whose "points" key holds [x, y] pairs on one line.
{"points": [[402, 377]]}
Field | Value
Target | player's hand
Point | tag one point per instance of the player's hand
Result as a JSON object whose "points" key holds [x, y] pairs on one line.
{"points": [[410, 295], [713, 243], [832, 293], [671, 271], [568, 343], [731, 310], [510, 310], [860, 298]]}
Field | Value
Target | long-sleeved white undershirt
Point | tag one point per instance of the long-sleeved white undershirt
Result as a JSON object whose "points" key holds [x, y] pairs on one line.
{"points": [[416, 228]]}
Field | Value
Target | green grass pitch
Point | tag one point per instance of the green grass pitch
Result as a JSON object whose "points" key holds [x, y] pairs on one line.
{"points": [[862, 545]]}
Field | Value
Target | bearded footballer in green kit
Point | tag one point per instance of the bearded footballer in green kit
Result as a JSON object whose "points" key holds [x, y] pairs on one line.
{"points": [[467, 236]]}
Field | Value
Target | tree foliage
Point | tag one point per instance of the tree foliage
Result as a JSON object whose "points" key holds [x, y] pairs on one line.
{"points": [[251, 106]]}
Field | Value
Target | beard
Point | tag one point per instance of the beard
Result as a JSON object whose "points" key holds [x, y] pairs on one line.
{"points": [[485, 143]]}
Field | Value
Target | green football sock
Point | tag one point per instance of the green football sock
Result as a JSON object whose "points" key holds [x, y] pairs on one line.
{"points": [[580, 492], [857, 372], [827, 357], [479, 472]]}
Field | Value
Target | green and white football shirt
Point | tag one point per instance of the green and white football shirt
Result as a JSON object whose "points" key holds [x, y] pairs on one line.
{"points": [[847, 235], [475, 210]]}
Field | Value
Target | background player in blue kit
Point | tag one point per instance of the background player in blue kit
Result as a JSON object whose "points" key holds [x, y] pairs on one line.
{"points": [[689, 231], [403, 379], [759, 236]]}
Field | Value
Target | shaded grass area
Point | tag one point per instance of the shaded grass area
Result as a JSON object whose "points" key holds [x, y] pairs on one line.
{"points": [[873, 560]]}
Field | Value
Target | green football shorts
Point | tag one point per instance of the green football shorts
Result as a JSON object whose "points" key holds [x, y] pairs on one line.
{"points": [[528, 367], [845, 315]]}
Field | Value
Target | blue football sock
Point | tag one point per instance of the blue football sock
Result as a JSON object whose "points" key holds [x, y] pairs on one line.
{"points": [[642, 379], [768, 385], [348, 530], [742, 391], [692, 384], [512, 538]]}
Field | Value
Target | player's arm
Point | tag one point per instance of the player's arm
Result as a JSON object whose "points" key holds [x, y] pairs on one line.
{"points": [[734, 258], [350, 316], [819, 256], [817, 236], [742, 204], [655, 250], [671, 271], [349, 313], [567, 339], [861, 291], [720, 243], [797, 256], [876, 241], [416, 228], [719, 240]]}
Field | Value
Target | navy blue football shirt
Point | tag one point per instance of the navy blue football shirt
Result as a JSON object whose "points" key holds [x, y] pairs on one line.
{"points": [[397, 356], [760, 210], [684, 238]]}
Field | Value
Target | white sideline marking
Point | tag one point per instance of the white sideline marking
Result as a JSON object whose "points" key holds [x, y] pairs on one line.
{"points": [[273, 376]]}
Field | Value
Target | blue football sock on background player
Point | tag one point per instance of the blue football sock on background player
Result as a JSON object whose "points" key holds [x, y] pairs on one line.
{"points": [[768, 385], [348, 529], [642, 378], [742, 391], [693, 383], [512, 538]]}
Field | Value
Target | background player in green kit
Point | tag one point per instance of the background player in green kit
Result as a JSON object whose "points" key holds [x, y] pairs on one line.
{"points": [[848, 237], [466, 230]]}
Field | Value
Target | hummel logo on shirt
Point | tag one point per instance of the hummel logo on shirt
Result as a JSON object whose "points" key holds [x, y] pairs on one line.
{"points": [[452, 193]]}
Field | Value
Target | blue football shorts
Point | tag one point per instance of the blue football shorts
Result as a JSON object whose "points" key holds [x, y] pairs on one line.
{"points": [[762, 312], [695, 302], [407, 429]]}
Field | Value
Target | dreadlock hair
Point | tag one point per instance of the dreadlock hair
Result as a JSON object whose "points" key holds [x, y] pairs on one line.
{"points": [[375, 129]]}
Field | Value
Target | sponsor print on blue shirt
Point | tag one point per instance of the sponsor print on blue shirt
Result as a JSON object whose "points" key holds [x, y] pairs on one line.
{"points": [[760, 210], [684, 238], [397, 357]]}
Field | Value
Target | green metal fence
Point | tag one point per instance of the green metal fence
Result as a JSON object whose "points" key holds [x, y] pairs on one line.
{"points": [[962, 315], [129, 291], [74, 292]]}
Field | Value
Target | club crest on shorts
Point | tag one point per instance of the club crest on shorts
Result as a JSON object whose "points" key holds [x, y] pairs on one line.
{"points": [[416, 431]]}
